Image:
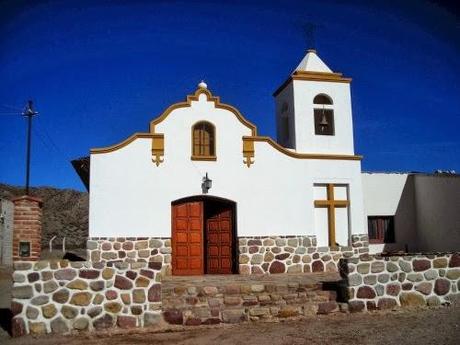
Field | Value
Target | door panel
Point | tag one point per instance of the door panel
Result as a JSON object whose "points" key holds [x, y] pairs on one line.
{"points": [[187, 238], [219, 240]]}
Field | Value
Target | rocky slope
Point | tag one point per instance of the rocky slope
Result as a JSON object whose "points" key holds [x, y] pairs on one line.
{"points": [[65, 213]]}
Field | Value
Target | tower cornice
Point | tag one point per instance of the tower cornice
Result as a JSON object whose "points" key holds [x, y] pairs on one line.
{"points": [[313, 76]]}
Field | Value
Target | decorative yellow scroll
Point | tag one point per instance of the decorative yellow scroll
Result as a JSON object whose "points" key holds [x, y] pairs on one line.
{"points": [[248, 152], [158, 148]]}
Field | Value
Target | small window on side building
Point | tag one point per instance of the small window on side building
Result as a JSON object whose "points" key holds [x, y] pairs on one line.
{"points": [[381, 229]]}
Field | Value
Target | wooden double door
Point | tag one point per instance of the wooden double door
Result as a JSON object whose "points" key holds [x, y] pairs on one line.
{"points": [[203, 237]]}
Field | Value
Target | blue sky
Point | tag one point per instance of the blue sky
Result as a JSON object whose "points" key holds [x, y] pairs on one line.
{"points": [[100, 70]]}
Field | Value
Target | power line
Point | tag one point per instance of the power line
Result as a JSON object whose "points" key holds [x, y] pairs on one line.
{"points": [[48, 138], [41, 138], [50, 148], [8, 113], [11, 107]]}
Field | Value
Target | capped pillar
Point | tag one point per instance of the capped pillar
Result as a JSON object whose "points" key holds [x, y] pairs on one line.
{"points": [[27, 228]]}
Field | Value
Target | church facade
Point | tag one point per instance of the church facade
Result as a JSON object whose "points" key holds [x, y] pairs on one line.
{"points": [[202, 193]]}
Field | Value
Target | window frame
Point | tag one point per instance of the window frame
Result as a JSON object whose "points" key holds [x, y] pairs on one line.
{"points": [[387, 238], [330, 118], [212, 145], [329, 100]]}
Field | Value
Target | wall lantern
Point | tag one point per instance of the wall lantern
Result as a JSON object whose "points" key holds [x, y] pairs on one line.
{"points": [[206, 184]]}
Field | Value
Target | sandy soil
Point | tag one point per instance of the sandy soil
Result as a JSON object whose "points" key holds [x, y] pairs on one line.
{"points": [[428, 326]]}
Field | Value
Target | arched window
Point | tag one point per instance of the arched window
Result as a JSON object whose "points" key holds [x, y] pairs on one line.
{"points": [[322, 99], [203, 141], [324, 115]]}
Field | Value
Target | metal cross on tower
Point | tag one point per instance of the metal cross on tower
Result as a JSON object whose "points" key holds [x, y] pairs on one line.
{"points": [[310, 34]]}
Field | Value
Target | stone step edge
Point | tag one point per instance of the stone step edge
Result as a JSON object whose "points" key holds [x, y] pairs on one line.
{"points": [[238, 315]]}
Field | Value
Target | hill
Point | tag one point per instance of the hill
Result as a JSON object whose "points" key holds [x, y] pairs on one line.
{"points": [[65, 213]]}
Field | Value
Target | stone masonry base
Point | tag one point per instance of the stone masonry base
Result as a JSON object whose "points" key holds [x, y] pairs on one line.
{"points": [[128, 283], [376, 282], [58, 296], [131, 249], [293, 254], [256, 255]]}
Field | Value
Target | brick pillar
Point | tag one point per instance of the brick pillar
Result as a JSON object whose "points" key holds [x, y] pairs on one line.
{"points": [[27, 227]]}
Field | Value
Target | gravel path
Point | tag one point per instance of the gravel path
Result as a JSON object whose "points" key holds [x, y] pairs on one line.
{"points": [[438, 326]]}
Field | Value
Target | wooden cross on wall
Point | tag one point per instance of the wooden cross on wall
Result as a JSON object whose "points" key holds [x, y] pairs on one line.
{"points": [[331, 204]]}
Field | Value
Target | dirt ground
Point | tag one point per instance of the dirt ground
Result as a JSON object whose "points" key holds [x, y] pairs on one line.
{"points": [[428, 326]]}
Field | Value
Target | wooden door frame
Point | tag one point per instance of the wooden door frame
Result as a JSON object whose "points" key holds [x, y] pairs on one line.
{"points": [[207, 199]]}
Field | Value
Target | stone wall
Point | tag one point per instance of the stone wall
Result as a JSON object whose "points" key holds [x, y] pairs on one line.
{"points": [[360, 243], [293, 254], [58, 296], [257, 255], [376, 282], [155, 250], [120, 286]]}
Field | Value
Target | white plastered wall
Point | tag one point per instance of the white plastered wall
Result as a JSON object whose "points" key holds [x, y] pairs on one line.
{"points": [[392, 195], [131, 196], [437, 200], [285, 136]]}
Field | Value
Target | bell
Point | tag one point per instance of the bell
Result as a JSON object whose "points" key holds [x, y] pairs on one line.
{"points": [[324, 121]]}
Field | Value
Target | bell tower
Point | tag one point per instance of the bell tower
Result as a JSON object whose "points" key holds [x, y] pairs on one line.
{"points": [[313, 109]]}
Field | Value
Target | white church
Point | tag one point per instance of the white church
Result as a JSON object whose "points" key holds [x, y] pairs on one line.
{"points": [[223, 198]]}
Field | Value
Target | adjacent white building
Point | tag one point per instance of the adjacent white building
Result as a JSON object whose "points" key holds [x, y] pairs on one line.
{"points": [[412, 212]]}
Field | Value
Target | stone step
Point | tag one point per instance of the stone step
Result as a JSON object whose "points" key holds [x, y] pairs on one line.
{"points": [[230, 299], [226, 278]]}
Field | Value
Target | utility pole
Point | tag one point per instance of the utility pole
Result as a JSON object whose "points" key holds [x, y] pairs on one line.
{"points": [[29, 113]]}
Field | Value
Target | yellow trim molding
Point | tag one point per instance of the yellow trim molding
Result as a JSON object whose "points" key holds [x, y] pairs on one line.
{"points": [[122, 144], [248, 141], [211, 98], [203, 158], [185, 104], [292, 154], [313, 76]]}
